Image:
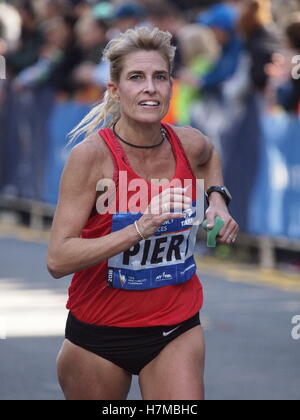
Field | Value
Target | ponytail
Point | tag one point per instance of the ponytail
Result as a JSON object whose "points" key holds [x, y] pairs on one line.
{"points": [[104, 114]]}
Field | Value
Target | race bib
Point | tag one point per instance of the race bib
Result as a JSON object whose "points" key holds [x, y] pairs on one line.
{"points": [[164, 259]]}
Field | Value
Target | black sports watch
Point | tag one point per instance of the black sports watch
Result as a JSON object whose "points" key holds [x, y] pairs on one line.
{"points": [[220, 189]]}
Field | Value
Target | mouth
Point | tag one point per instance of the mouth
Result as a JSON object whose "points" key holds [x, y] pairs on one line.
{"points": [[149, 104]]}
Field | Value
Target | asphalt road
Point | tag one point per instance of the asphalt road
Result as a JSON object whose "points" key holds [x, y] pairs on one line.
{"points": [[250, 352]]}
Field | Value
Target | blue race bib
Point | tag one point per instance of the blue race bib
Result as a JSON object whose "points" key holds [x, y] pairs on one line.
{"points": [[164, 259]]}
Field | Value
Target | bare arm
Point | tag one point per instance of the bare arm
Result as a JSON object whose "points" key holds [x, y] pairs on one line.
{"points": [[203, 156], [210, 169], [68, 252], [206, 163]]}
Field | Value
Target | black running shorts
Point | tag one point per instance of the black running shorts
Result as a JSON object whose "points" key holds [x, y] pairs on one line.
{"points": [[129, 348]]}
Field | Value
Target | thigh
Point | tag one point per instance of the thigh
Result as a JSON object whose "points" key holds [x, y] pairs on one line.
{"points": [[86, 376], [177, 372]]}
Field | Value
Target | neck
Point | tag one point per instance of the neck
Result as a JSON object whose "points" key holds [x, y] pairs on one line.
{"points": [[139, 134]]}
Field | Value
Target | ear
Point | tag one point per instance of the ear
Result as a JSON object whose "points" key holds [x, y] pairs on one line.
{"points": [[113, 91]]}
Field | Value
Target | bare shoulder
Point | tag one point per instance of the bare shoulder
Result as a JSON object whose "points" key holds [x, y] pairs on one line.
{"points": [[90, 156], [197, 146], [89, 150]]}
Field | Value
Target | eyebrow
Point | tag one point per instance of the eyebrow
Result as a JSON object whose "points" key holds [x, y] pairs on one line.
{"points": [[142, 72]]}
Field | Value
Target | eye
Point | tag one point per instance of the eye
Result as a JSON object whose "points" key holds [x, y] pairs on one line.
{"points": [[161, 77], [135, 77]]}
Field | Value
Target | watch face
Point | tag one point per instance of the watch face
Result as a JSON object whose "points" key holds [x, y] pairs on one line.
{"points": [[226, 192]]}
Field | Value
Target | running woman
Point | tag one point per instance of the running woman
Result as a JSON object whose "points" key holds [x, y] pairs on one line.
{"points": [[135, 297]]}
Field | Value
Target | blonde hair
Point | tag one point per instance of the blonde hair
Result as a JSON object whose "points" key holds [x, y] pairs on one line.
{"points": [[107, 112], [197, 40]]}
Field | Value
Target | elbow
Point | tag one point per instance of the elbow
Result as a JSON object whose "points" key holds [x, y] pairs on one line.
{"points": [[55, 274], [54, 269], [209, 152]]}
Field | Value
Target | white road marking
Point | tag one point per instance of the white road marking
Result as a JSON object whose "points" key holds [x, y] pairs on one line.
{"points": [[31, 312]]}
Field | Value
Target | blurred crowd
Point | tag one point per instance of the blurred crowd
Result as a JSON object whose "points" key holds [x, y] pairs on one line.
{"points": [[225, 50]]}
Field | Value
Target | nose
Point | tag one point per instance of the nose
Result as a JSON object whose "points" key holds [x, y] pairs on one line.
{"points": [[150, 86]]}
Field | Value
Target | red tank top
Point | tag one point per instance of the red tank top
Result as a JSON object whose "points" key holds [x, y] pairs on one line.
{"points": [[93, 301]]}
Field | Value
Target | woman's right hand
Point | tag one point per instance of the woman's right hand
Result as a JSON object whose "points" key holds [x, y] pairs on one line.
{"points": [[159, 208]]}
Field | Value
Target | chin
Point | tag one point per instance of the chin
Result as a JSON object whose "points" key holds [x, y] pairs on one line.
{"points": [[149, 119]]}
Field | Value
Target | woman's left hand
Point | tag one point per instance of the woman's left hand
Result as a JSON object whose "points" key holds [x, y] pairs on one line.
{"points": [[229, 231]]}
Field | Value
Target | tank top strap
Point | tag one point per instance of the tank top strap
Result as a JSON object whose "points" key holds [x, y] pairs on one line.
{"points": [[180, 153], [114, 146], [116, 150]]}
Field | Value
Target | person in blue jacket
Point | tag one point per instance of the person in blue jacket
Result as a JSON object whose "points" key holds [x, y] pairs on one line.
{"points": [[222, 19]]}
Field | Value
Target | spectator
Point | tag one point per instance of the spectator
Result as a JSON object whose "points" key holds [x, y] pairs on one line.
{"points": [[60, 37], [129, 15], [222, 19], [58, 59], [255, 27], [200, 50], [197, 41], [30, 42], [91, 37]]}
